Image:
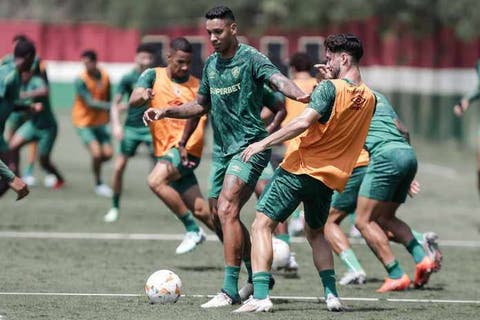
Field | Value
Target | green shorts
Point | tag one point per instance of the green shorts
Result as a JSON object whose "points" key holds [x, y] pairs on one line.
{"points": [[3, 145], [347, 200], [45, 137], [188, 178], [249, 172], [267, 173], [389, 175], [98, 133], [132, 138], [285, 192], [16, 119]]}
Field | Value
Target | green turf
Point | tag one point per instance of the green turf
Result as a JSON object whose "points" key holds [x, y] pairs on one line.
{"points": [[447, 204]]}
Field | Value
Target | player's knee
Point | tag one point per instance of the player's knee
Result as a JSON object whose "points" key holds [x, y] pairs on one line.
{"points": [[227, 211]]}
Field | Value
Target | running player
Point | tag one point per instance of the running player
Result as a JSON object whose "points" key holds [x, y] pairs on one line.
{"points": [[232, 87], [332, 132], [174, 183], [133, 133], [90, 116]]}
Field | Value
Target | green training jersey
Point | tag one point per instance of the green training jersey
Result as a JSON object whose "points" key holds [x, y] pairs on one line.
{"points": [[383, 133], [10, 83], [125, 88], [45, 118], [5, 173], [36, 65], [235, 89]]}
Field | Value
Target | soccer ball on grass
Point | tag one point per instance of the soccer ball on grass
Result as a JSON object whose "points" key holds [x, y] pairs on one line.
{"points": [[163, 286]]}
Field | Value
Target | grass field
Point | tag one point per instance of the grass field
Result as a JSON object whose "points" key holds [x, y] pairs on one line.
{"points": [[448, 204]]}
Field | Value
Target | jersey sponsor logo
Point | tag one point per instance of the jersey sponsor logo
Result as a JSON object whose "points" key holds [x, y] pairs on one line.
{"points": [[225, 91]]}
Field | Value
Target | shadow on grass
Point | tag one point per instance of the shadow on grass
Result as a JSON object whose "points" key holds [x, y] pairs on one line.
{"points": [[201, 268]]}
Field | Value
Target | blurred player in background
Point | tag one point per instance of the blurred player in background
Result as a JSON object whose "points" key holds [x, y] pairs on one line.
{"points": [[133, 133], [90, 116]]}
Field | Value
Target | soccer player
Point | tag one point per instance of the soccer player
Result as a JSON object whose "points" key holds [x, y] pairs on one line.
{"points": [[10, 83], [232, 89], [332, 132], [41, 127], [133, 133], [460, 108], [174, 183], [90, 116]]}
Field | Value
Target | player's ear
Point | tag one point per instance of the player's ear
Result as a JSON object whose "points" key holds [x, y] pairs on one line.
{"points": [[233, 28]]}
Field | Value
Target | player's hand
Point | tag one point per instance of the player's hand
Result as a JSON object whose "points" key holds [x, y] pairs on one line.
{"points": [[414, 188], [121, 107], [184, 156], [117, 132], [19, 187], [147, 94], [151, 115], [460, 108], [252, 149], [324, 71], [37, 107], [304, 99]]}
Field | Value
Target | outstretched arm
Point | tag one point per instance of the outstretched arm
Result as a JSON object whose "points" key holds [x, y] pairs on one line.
{"points": [[82, 91], [286, 86], [199, 106], [279, 112]]}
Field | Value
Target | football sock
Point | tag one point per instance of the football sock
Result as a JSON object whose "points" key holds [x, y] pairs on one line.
{"points": [[416, 250], [394, 270], [328, 281], [189, 222], [230, 281], [418, 236], [248, 266], [285, 237], [350, 260], [29, 169], [261, 281], [116, 200]]}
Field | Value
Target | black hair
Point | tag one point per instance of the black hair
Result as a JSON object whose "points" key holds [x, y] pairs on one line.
{"points": [[181, 44], [89, 54], [345, 42], [301, 61], [20, 37], [146, 47], [220, 12], [24, 49]]}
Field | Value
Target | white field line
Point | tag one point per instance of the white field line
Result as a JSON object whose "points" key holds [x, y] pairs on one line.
{"points": [[291, 298], [171, 237]]}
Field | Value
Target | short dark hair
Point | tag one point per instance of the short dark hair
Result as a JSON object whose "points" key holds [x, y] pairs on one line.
{"points": [[89, 54], [146, 47], [345, 42], [20, 37], [181, 44], [24, 49], [220, 12], [301, 61]]}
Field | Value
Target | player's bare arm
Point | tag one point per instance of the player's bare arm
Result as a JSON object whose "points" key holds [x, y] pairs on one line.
{"points": [[140, 96], [279, 111], [286, 86], [115, 109], [190, 127], [291, 130], [403, 129], [37, 93], [195, 108]]}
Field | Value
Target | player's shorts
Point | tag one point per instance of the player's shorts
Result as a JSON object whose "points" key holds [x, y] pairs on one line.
{"points": [[389, 175], [267, 173], [132, 138], [45, 137], [347, 200], [16, 119], [249, 172], [99, 133], [285, 192], [3, 145], [188, 178]]}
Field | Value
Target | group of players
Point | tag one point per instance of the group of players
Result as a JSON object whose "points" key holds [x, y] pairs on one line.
{"points": [[346, 151]]}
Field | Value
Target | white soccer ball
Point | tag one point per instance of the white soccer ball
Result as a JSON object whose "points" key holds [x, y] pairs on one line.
{"points": [[281, 254], [163, 286]]}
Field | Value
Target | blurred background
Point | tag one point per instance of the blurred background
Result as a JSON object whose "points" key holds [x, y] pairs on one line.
{"points": [[421, 53]]}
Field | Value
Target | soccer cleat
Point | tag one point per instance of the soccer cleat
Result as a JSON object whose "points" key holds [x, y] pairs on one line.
{"points": [[395, 284], [353, 277], [423, 270], [58, 185], [49, 180], [333, 303], [247, 290], [296, 225], [255, 305], [221, 299], [430, 245], [29, 180], [111, 216], [291, 269], [104, 191], [190, 241], [355, 233]]}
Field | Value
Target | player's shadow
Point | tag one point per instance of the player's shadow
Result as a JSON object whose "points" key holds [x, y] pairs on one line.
{"points": [[437, 288], [201, 268], [374, 280]]}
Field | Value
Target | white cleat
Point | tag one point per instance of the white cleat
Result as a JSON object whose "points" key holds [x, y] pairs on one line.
{"points": [[246, 291], [221, 299], [49, 181], [29, 180], [291, 269], [255, 305], [430, 245], [355, 233], [333, 303], [190, 241], [104, 191], [353, 277], [111, 216]]}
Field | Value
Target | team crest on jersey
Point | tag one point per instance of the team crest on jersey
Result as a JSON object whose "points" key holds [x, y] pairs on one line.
{"points": [[212, 74], [177, 91], [235, 72], [357, 102]]}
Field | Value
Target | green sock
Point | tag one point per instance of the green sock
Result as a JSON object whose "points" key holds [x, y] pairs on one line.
{"points": [[350, 260], [29, 169], [261, 281], [230, 281], [296, 213], [351, 218], [116, 200], [418, 236], [394, 270], [328, 281], [189, 222], [248, 266], [285, 237], [416, 250]]}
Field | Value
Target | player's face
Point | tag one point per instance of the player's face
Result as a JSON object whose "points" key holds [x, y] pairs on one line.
{"points": [[334, 62], [179, 63], [25, 63], [222, 33], [90, 65], [144, 60]]}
